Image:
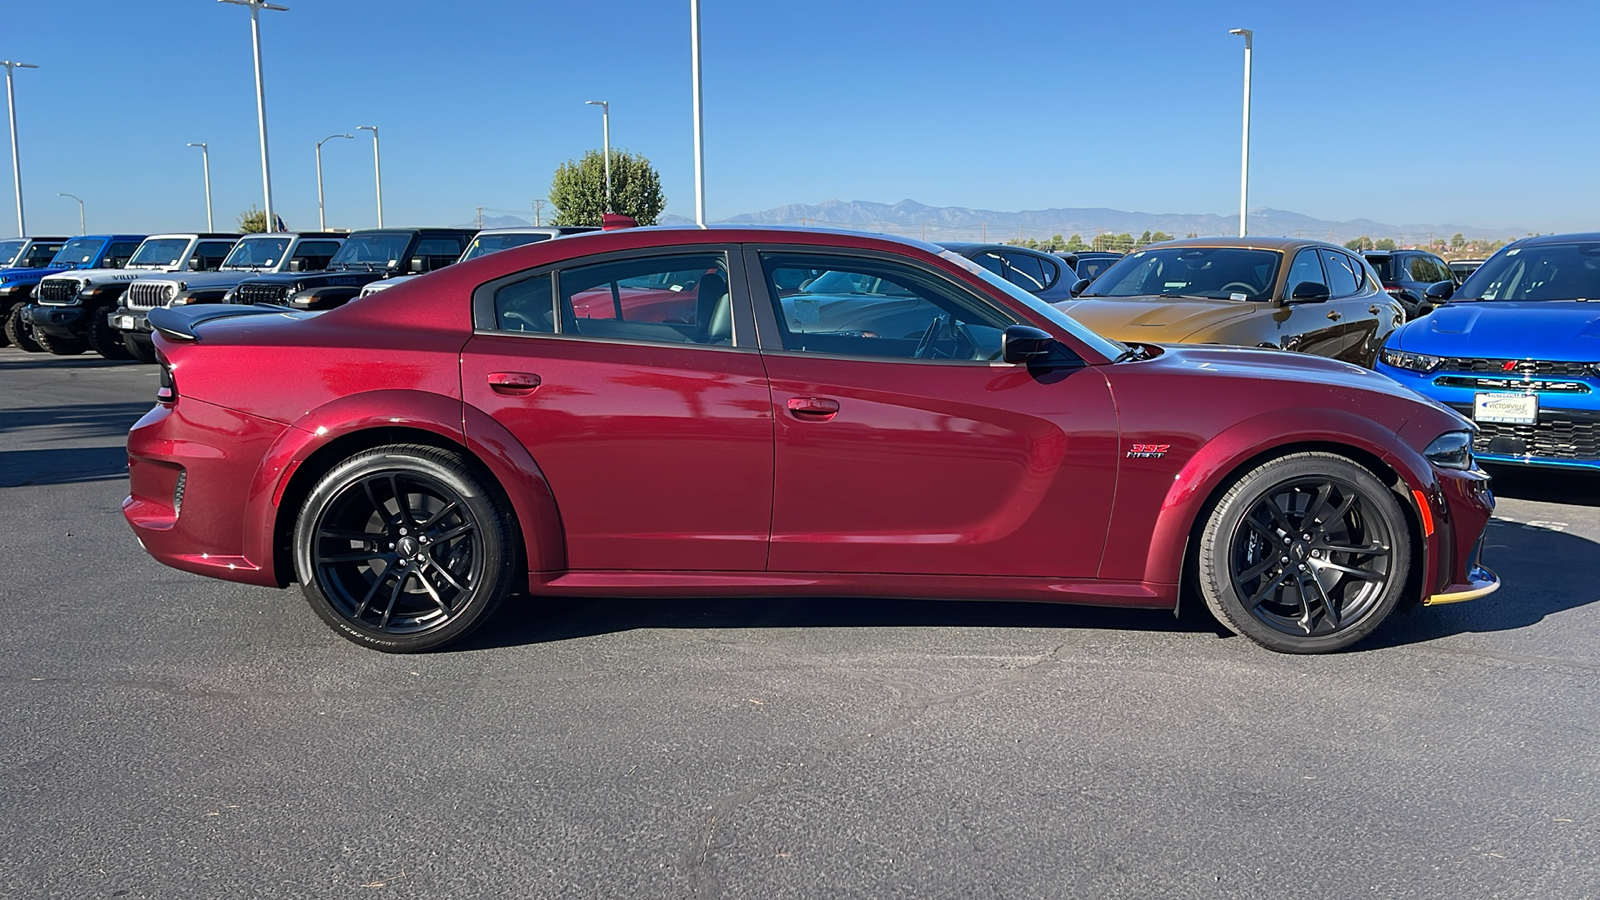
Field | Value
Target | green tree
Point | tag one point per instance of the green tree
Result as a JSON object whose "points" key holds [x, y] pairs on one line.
{"points": [[578, 191], [1075, 243], [1384, 244], [253, 220], [1160, 236], [1457, 241], [1361, 243], [1145, 238]]}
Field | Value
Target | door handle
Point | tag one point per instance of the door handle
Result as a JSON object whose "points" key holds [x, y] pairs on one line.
{"points": [[513, 383], [1374, 309], [1336, 315], [813, 408]]}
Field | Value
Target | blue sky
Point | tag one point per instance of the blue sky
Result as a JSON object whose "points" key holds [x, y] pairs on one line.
{"points": [[1441, 113]]}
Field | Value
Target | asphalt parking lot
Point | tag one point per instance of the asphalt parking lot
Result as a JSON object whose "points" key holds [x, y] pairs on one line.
{"points": [[168, 735]]}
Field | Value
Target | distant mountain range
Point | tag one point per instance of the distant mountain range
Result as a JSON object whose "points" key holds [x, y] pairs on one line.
{"points": [[958, 223]]}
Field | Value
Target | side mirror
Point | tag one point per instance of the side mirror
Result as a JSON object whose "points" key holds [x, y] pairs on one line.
{"points": [[418, 265], [1024, 343], [1440, 291], [1309, 292], [297, 265], [196, 264], [1081, 285]]}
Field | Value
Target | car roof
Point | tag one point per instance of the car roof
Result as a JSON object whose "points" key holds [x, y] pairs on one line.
{"points": [[203, 235], [319, 235], [1281, 244], [1559, 238]]}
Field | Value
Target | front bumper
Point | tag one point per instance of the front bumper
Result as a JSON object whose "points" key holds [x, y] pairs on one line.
{"points": [[1458, 509], [125, 319], [61, 321]]}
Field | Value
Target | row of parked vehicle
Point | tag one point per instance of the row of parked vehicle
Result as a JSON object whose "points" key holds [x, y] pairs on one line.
{"points": [[65, 296]]}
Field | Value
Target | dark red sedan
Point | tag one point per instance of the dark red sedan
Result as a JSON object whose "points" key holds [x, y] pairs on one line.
{"points": [[820, 414]]}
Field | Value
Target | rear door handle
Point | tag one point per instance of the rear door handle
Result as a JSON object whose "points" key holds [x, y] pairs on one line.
{"points": [[1336, 315], [513, 384], [1374, 309], [813, 408]]}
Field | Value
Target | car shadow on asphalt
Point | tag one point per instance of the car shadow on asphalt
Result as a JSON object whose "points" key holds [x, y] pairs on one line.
{"points": [[70, 465], [1546, 485], [87, 420]]}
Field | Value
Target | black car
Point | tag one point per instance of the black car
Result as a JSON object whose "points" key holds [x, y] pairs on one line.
{"points": [[365, 257], [1090, 263], [1037, 273], [1407, 275]]}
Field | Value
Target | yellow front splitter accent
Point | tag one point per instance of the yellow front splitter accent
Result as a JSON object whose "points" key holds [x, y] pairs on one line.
{"points": [[1483, 581]]}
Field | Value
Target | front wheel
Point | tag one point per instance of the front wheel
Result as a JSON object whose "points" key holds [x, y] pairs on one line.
{"points": [[17, 331], [103, 339], [59, 346], [405, 548], [139, 347], [1306, 553]]}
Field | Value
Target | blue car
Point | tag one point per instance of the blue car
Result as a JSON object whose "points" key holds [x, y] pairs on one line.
{"points": [[1516, 349]]}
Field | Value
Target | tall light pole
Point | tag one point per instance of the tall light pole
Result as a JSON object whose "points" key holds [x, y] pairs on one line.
{"points": [[377, 167], [1244, 160], [699, 122], [605, 136], [256, 6], [322, 220], [205, 162], [82, 228], [16, 165]]}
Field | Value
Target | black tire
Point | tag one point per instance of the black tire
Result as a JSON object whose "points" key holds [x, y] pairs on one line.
{"points": [[412, 528], [18, 332], [103, 339], [69, 346], [1307, 553], [139, 347]]}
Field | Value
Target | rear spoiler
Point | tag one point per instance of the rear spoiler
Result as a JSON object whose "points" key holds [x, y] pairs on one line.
{"points": [[179, 323]]}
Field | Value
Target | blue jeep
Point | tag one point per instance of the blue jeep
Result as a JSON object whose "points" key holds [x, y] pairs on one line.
{"points": [[87, 252], [19, 257]]}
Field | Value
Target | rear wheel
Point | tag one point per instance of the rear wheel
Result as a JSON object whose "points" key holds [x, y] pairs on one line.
{"points": [[60, 346], [139, 347], [405, 548], [17, 331], [1306, 553], [103, 339]]}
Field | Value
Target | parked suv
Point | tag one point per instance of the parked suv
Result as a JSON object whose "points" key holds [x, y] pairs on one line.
{"points": [[19, 256], [1407, 275], [94, 251], [74, 308], [1040, 274], [366, 256], [493, 240], [255, 254]]}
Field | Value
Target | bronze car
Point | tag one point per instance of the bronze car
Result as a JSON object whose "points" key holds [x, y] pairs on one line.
{"points": [[1282, 293]]}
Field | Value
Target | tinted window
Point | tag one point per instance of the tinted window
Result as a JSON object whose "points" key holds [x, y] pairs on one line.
{"points": [[1422, 269], [526, 305], [214, 252], [1025, 271], [1342, 280], [1537, 272], [324, 249], [679, 299], [439, 246], [485, 244], [40, 254], [991, 260], [164, 252], [881, 309], [1307, 267], [1218, 273], [80, 252], [255, 252], [1384, 266], [119, 254], [9, 251]]}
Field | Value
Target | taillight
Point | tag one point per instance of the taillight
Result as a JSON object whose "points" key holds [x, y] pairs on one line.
{"points": [[1394, 289], [167, 391]]}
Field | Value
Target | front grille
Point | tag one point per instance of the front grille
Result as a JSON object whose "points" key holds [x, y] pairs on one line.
{"points": [[57, 292], [1538, 386], [149, 295], [247, 293], [1552, 438], [1519, 367]]}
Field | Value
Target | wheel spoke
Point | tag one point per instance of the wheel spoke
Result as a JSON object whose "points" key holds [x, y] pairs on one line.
{"points": [[1372, 549], [1362, 574], [452, 534], [1340, 510], [353, 555], [372, 497], [1279, 517], [1257, 569], [347, 534], [437, 600], [1324, 491], [372, 592], [1328, 607], [402, 500], [1264, 530], [436, 517], [1266, 588], [445, 574], [394, 597]]}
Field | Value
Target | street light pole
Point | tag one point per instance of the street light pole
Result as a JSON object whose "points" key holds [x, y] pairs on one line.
{"points": [[16, 165], [699, 122], [256, 6], [377, 167], [1244, 161], [205, 162], [605, 136], [82, 228], [322, 220]]}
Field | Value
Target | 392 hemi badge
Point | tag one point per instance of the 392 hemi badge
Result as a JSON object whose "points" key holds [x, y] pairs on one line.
{"points": [[1148, 451]]}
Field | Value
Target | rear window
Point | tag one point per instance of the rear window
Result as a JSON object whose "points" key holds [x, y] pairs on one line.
{"points": [[1383, 264]]}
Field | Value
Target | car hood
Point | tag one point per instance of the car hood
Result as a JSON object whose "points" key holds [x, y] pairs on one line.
{"points": [[353, 277], [193, 280], [1279, 365], [1534, 329], [1152, 318], [107, 276]]}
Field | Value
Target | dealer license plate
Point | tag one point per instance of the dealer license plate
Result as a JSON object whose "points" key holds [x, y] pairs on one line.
{"points": [[124, 321], [1511, 409]]}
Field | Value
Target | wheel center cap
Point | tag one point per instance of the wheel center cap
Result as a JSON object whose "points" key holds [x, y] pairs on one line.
{"points": [[407, 546], [1300, 552]]}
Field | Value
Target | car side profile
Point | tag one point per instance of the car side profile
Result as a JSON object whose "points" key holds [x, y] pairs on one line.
{"points": [[1045, 276], [824, 414], [1408, 274], [1282, 293]]}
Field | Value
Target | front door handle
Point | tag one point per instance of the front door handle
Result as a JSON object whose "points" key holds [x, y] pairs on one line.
{"points": [[819, 409], [1336, 315], [1373, 309], [513, 384]]}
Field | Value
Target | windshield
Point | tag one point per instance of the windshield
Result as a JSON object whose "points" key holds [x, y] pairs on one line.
{"points": [[9, 251], [1540, 272], [256, 253], [1108, 348], [1210, 273], [78, 252], [382, 250], [163, 253], [485, 244]]}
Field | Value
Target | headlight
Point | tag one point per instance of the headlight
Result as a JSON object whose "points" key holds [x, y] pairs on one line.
{"points": [[1451, 450], [1416, 362]]}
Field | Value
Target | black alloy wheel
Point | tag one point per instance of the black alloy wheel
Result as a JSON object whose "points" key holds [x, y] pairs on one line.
{"points": [[17, 331], [139, 347], [102, 338], [405, 548], [59, 346], [1305, 554]]}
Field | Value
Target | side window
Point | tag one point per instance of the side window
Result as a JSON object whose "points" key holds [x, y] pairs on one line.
{"points": [[1307, 267], [323, 250], [856, 306], [992, 261], [212, 253], [1421, 269], [678, 299], [1025, 272], [526, 305], [1342, 281], [120, 253], [439, 251], [39, 255]]}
